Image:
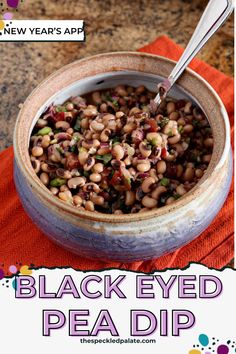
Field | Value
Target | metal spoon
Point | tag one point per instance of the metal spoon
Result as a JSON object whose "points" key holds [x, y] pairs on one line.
{"points": [[215, 14]]}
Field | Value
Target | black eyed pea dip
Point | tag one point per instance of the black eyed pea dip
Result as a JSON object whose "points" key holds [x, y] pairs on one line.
{"points": [[107, 152]]}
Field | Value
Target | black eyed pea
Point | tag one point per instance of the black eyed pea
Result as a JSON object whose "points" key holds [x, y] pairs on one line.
{"points": [[198, 173], [147, 183], [95, 177], [161, 167], [98, 167], [153, 174], [174, 115], [134, 110], [36, 165], [180, 189], [188, 128], [69, 106], [96, 199], [96, 126], [104, 137], [144, 149], [171, 128], [118, 152], [89, 205], [70, 131], [77, 200], [103, 108], [121, 91], [119, 114], [143, 210], [103, 150], [91, 187], [179, 148], [37, 151], [64, 188], [181, 121], [174, 139], [112, 125], [118, 212], [170, 107], [107, 118], [44, 178], [154, 138], [128, 161], [83, 156], [96, 97], [75, 182], [188, 108], [179, 170], [90, 111], [96, 136], [89, 135], [45, 141], [158, 191], [149, 202], [130, 198], [61, 124], [208, 142], [206, 158], [188, 174], [66, 196], [41, 123], [84, 123], [90, 162], [54, 190], [129, 127], [144, 166], [170, 200], [140, 89]]}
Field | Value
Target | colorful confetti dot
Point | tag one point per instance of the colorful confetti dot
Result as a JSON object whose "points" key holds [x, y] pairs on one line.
{"points": [[12, 269], [194, 351], [222, 349], [25, 270], [203, 339], [2, 25], [8, 16], [1, 274], [13, 3], [207, 353]]}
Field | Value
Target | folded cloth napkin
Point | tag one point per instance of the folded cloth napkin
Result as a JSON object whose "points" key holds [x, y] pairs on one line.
{"points": [[22, 243]]}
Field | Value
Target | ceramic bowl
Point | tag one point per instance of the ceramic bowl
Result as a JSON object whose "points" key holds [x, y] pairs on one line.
{"points": [[125, 238]]}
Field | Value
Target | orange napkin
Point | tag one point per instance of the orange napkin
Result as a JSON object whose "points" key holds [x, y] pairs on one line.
{"points": [[21, 243]]}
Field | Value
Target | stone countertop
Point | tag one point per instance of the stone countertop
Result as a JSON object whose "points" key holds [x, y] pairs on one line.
{"points": [[110, 26]]}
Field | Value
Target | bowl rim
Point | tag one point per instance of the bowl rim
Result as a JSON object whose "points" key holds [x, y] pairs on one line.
{"points": [[57, 205]]}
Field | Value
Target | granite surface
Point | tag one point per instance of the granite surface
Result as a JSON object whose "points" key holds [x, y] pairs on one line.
{"points": [[110, 26]]}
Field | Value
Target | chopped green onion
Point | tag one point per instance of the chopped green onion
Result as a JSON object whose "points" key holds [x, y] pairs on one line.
{"points": [[165, 182], [60, 109], [163, 122], [44, 131], [105, 158], [57, 182], [77, 124]]}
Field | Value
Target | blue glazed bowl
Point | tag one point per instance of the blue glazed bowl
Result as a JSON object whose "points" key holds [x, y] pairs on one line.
{"points": [[131, 237]]}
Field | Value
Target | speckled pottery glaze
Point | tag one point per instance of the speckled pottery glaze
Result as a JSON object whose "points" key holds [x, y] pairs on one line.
{"points": [[131, 237]]}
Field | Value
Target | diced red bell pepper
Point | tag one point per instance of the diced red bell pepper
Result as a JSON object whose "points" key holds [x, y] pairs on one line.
{"points": [[153, 125]]}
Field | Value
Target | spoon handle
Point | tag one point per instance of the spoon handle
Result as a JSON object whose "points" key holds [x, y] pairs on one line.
{"points": [[215, 14]]}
